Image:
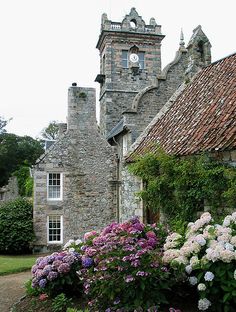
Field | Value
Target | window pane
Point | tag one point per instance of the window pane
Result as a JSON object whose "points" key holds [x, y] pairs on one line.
{"points": [[54, 185], [141, 60], [54, 228], [124, 58]]}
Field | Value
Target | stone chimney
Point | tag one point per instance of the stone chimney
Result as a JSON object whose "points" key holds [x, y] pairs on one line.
{"points": [[81, 109]]}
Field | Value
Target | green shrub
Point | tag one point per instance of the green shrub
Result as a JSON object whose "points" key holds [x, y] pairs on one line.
{"points": [[180, 187], [60, 303], [30, 291], [16, 226]]}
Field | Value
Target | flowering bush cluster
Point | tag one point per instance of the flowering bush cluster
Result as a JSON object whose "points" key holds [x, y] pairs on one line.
{"points": [[207, 253], [57, 272], [122, 267]]}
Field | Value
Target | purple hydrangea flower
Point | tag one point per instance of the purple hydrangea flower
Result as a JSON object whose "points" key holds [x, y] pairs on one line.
{"points": [[70, 259], [52, 275], [42, 283], [64, 268], [129, 278], [87, 262], [117, 301]]}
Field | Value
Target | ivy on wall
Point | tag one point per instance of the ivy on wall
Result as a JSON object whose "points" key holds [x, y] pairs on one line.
{"points": [[180, 187]]}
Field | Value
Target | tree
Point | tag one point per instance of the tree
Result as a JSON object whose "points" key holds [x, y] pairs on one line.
{"points": [[3, 123], [51, 131], [16, 151]]}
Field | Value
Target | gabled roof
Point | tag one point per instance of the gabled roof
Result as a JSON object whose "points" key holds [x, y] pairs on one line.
{"points": [[201, 118]]}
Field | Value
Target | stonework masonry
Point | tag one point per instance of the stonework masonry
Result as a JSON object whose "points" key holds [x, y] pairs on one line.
{"points": [[88, 165]]}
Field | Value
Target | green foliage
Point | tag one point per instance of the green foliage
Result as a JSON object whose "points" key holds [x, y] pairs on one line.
{"points": [[60, 303], [25, 181], [51, 131], [16, 226], [3, 123], [16, 151], [179, 187], [30, 291]]}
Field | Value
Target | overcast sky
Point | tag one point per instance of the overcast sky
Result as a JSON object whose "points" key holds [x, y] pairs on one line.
{"points": [[48, 44]]}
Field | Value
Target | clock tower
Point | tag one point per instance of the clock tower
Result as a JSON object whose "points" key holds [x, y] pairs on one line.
{"points": [[130, 60]]}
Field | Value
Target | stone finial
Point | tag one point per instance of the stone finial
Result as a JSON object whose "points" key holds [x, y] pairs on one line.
{"points": [[181, 42], [104, 18], [153, 21], [133, 11]]}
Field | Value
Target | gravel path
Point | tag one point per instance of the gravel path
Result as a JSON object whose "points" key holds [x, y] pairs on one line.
{"points": [[12, 289]]}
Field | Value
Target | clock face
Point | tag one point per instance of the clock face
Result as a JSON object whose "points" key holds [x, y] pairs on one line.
{"points": [[133, 58]]}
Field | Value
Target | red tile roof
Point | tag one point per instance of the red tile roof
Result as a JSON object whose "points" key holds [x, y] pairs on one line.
{"points": [[201, 118]]}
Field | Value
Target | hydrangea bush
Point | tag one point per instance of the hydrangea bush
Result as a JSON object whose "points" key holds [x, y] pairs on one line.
{"points": [[207, 253], [56, 273], [122, 267]]}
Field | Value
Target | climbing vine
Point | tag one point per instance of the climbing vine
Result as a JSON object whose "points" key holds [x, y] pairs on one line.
{"points": [[181, 187]]}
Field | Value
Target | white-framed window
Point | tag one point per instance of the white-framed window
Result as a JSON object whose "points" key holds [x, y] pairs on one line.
{"points": [[141, 60], [125, 61], [54, 186], [55, 229]]}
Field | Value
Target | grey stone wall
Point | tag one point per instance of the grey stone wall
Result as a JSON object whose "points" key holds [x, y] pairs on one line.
{"points": [[88, 165], [131, 205]]}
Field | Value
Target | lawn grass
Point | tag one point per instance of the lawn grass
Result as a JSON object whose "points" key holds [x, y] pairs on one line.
{"points": [[14, 264]]}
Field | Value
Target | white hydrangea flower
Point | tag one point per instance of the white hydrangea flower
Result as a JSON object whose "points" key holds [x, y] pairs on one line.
{"points": [[67, 245], [234, 216], [194, 261], [78, 241], [193, 280], [229, 246], [203, 304], [227, 220], [201, 287], [227, 256], [200, 240], [181, 260], [233, 241], [209, 276], [188, 269]]}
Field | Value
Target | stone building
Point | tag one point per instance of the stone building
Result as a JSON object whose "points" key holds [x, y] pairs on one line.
{"points": [[80, 181], [75, 179], [199, 117]]}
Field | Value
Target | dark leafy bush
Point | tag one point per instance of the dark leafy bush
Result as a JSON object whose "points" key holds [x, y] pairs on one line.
{"points": [[16, 226]]}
